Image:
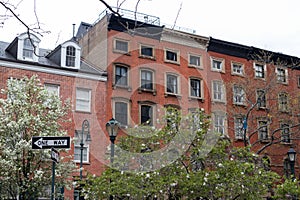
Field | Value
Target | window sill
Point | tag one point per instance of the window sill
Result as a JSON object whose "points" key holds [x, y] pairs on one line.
{"points": [[172, 62], [140, 90], [147, 57], [122, 52], [196, 98], [83, 163], [267, 140], [122, 87], [173, 95], [195, 66]]}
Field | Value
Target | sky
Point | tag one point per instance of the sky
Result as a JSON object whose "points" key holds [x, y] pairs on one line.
{"points": [[268, 24]]}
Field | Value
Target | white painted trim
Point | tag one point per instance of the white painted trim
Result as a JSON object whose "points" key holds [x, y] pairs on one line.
{"points": [[51, 70]]}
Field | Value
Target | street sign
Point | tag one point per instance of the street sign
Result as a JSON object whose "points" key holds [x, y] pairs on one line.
{"points": [[47, 142], [54, 155]]}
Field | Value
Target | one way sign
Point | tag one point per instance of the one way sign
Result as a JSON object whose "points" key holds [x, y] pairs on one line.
{"points": [[50, 142]]}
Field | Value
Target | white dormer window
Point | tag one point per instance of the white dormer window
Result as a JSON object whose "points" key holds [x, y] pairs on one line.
{"points": [[70, 55], [28, 47]]}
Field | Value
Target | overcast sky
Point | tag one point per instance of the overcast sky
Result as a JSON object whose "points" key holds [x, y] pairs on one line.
{"points": [[268, 24]]}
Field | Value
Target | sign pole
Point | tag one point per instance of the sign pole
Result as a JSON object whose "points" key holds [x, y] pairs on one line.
{"points": [[53, 180]]}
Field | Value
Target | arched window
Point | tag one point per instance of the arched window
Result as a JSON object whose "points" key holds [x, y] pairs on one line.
{"points": [[28, 48], [70, 56]]}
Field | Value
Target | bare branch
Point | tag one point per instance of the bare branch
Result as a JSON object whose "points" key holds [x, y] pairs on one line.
{"points": [[177, 16]]}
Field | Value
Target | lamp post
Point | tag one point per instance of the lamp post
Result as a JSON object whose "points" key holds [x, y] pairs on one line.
{"points": [[112, 127], [292, 157], [85, 129]]}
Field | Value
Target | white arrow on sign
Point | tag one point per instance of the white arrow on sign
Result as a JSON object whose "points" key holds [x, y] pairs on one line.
{"points": [[40, 143]]}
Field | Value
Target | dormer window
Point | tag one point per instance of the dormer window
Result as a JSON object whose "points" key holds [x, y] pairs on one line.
{"points": [[70, 56], [28, 49]]}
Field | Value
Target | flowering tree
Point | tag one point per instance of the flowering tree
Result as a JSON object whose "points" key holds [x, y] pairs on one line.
{"points": [[208, 168], [28, 110]]}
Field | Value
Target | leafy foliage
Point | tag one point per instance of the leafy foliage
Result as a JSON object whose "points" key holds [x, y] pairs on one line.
{"points": [[208, 168], [29, 110]]}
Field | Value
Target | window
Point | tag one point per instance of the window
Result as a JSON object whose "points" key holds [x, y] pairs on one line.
{"points": [[238, 95], [28, 48], [219, 123], [218, 91], [285, 133], [283, 102], [259, 71], [121, 46], [77, 147], [52, 89], [298, 81], [195, 87], [261, 99], [146, 51], [238, 127], [121, 113], [70, 56], [263, 129], [237, 68], [83, 99], [281, 75], [194, 60], [172, 84], [147, 79], [172, 56], [121, 75], [146, 115], [217, 64]]}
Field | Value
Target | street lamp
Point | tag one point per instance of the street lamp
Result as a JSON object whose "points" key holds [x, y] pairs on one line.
{"points": [[292, 157], [85, 129], [112, 127]]}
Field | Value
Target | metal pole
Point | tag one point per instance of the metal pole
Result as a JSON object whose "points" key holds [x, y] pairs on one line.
{"points": [[112, 149], [53, 181], [292, 164], [81, 157]]}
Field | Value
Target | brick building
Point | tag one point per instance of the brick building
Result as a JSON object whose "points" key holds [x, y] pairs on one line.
{"points": [[64, 73]]}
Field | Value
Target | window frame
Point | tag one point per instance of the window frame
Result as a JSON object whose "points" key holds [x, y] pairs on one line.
{"points": [[88, 100], [263, 129], [218, 60], [217, 116], [285, 137], [283, 104], [145, 55], [283, 76], [115, 115], [238, 98], [173, 51], [197, 65], [28, 48], [200, 89], [70, 56], [152, 114], [167, 84], [258, 94], [239, 127], [120, 84], [142, 81], [115, 46], [234, 72], [221, 91], [263, 70]]}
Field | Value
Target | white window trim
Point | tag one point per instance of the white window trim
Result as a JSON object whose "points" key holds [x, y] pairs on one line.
{"points": [[223, 114], [47, 85], [259, 131], [64, 54], [178, 84], [146, 56], [128, 76], [223, 100], [236, 136], [153, 78], [264, 68], [35, 41], [280, 102], [222, 64], [234, 94], [257, 95], [235, 73], [201, 88], [123, 100], [285, 73], [200, 66], [87, 146], [174, 51], [89, 99], [118, 50], [153, 111]]}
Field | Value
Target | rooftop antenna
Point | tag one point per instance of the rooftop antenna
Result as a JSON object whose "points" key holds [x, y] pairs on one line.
{"points": [[73, 30]]}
